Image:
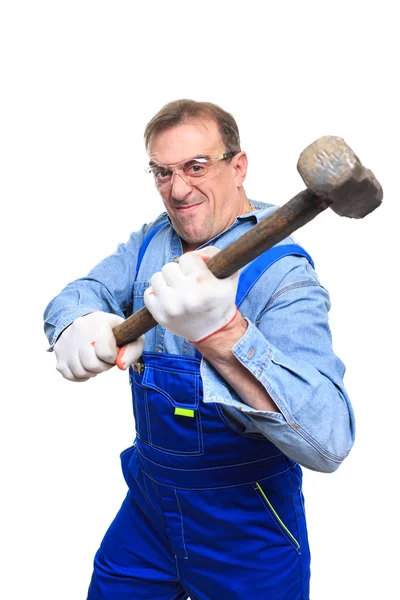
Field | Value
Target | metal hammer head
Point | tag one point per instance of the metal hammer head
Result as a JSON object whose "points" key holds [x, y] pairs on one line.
{"points": [[331, 170]]}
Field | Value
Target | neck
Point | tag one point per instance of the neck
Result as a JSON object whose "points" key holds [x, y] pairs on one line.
{"points": [[245, 204]]}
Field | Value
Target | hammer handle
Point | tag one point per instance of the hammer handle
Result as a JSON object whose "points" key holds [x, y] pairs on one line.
{"points": [[273, 229]]}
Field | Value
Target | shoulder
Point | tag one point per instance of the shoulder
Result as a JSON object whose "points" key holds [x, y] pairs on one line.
{"points": [[285, 269], [296, 261], [263, 209], [161, 221], [149, 229]]}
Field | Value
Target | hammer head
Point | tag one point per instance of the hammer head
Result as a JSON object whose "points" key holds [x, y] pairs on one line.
{"points": [[331, 170]]}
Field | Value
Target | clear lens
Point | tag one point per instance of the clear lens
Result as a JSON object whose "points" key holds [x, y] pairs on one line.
{"points": [[160, 174], [191, 169], [195, 168]]}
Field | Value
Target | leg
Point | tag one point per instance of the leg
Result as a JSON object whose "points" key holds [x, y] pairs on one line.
{"points": [[245, 542], [134, 560]]}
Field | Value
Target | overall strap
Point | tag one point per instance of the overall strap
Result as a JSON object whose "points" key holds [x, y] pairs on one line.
{"points": [[254, 270], [145, 243]]}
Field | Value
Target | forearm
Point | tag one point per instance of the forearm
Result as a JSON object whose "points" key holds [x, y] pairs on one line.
{"points": [[107, 288], [289, 353], [77, 299], [217, 349]]}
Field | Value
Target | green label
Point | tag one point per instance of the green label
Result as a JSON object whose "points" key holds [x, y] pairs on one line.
{"points": [[184, 412]]}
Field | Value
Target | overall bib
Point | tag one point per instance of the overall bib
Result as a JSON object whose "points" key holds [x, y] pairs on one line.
{"points": [[212, 512]]}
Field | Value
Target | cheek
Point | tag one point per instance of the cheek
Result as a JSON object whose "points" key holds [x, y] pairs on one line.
{"points": [[165, 198], [219, 198], [223, 187]]}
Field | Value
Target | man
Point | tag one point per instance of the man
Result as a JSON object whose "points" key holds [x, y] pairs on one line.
{"points": [[235, 388]]}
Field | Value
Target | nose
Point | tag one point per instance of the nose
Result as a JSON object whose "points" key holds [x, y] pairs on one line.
{"points": [[180, 188]]}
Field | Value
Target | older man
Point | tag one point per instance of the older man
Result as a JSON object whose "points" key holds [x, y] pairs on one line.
{"points": [[234, 389]]}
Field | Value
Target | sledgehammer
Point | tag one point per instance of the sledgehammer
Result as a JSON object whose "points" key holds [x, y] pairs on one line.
{"points": [[334, 177]]}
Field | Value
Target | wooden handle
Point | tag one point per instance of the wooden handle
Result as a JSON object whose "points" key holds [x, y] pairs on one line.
{"points": [[273, 229]]}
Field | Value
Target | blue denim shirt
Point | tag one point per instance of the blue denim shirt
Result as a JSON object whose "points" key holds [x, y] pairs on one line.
{"points": [[287, 345]]}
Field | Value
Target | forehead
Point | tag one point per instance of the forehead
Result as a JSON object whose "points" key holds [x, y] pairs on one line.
{"points": [[186, 140]]}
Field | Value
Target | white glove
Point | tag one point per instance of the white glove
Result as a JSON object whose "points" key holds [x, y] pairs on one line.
{"points": [[188, 300], [88, 347]]}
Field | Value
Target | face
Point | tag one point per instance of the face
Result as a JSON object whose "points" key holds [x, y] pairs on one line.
{"points": [[203, 207]]}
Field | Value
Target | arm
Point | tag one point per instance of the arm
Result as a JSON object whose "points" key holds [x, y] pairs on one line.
{"points": [[108, 288], [79, 321], [288, 350]]}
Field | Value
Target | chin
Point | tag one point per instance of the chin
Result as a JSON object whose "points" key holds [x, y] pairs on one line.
{"points": [[191, 243]]}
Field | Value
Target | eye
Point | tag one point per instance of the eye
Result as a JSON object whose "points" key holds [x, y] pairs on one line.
{"points": [[161, 174], [195, 168]]}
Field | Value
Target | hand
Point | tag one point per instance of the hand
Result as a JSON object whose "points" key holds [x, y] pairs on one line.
{"points": [[188, 300], [88, 347]]}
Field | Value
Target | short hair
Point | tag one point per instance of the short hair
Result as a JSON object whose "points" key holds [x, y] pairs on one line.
{"points": [[184, 110]]}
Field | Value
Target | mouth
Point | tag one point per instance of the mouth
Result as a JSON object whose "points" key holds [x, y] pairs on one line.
{"points": [[187, 208]]}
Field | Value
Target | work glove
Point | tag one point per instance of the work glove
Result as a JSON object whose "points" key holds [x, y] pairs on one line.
{"points": [[88, 347], [188, 300]]}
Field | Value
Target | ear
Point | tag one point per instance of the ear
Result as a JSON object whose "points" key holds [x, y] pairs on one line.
{"points": [[240, 165]]}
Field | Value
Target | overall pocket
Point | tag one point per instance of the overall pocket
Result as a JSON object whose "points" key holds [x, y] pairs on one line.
{"points": [[125, 458], [166, 403], [139, 406], [283, 516]]}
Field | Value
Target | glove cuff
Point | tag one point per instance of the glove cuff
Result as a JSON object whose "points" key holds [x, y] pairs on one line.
{"points": [[217, 330]]}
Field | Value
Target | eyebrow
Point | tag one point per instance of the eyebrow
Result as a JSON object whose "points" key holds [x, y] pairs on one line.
{"points": [[206, 156]]}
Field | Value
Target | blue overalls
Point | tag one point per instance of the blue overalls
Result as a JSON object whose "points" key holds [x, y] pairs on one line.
{"points": [[212, 512]]}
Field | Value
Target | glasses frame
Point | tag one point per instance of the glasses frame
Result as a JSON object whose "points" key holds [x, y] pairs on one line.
{"points": [[179, 167]]}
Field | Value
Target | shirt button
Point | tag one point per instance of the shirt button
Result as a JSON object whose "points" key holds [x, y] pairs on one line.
{"points": [[176, 258], [158, 349]]}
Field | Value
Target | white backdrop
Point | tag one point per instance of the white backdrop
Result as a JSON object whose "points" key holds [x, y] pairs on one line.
{"points": [[80, 80]]}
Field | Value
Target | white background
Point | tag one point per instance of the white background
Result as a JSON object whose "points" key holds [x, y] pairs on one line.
{"points": [[80, 80]]}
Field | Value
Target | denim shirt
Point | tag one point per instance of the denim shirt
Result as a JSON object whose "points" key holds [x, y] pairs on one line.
{"points": [[287, 345]]}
